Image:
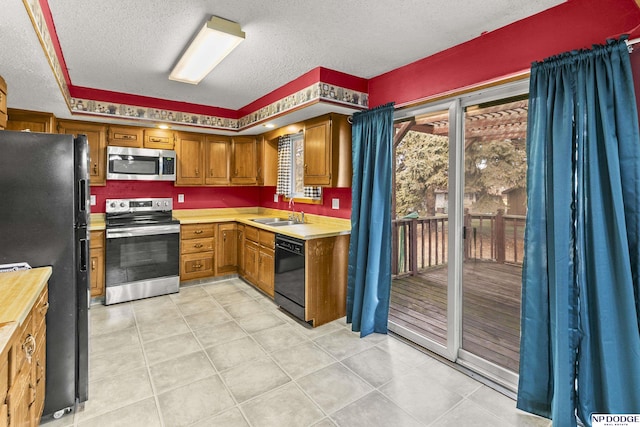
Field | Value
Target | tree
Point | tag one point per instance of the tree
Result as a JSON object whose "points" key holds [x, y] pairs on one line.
{"points": [[422, 168], [492, 167]]}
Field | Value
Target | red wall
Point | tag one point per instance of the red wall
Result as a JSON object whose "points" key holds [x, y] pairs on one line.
{"points": [[194, 197], [342, 194], [218, 197], [507, 51]]}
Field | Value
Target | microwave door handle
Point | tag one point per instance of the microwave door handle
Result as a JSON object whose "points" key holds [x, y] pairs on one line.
{"points": [[160, 168]]}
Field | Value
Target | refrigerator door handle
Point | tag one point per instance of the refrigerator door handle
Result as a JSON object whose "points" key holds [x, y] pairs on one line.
{"points": [[82, 195], [84, 254]]}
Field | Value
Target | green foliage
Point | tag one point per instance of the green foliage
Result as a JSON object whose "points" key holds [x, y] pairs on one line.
{"points": [[422, 167]]}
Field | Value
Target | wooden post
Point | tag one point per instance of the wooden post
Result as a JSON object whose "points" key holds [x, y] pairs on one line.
{"points": [[500, 236], [413, 251], [395, 254]]}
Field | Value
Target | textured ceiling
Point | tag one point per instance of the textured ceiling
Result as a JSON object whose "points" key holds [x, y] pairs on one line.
{"points": [[130, 46]]}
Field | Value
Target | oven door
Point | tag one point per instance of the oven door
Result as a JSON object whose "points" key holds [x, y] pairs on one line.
{"points": [[142, 257]]}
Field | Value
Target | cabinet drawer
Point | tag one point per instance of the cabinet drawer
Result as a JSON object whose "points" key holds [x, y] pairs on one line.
{"points": [[195, 266], [96, 239], [267, 239], [124, 136], [251, 233], [159, 138], [197, 231], [190, 246]]}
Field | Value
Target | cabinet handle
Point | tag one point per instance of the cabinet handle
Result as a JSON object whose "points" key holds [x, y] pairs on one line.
{"points": [[93, 264], [128, 137], [198, 232], [29, 346], [305, 167], [197, 172], [224, 236], [197, 245], [95, 168], [154, 139], [236, 172], [197, 265], [210, 172]]}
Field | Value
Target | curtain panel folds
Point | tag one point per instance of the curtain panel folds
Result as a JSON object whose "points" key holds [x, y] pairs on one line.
{"points": [[369, 273], [580, 343]]}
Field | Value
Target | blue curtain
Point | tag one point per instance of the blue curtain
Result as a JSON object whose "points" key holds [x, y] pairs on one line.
{"points": [[369, 275], [580, 343]]}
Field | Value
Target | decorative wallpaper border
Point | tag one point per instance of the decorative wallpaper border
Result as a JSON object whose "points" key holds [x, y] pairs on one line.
{"points": [[317, 92]]}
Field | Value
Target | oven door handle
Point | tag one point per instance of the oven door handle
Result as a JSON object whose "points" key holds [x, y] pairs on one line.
{"points": [[143, 231]]}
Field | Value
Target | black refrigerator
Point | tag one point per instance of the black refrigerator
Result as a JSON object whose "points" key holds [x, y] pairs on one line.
{"points": [[44, 218]]}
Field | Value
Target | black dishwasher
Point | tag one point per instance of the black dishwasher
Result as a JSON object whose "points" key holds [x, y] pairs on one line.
{"points": [[289, 275]]}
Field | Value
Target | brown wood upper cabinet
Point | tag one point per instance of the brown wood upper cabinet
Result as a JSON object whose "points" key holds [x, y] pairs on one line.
{"points": [[125, 136], [163, 139], [96, 134], [189, 147], [243, 160], [217, 153], [33, 121], [327, 151]]}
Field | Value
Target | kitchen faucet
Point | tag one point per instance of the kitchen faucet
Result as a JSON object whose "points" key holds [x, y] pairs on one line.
{"points": [[292, 215]]}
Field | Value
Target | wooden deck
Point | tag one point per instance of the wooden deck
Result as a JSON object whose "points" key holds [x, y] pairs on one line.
{"points": [[491, 308]]}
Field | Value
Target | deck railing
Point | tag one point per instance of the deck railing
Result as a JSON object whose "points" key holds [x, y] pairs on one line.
{"points": [[421, 243]]}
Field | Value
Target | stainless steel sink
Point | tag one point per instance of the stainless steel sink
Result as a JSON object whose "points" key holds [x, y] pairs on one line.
{"points": [[268, 220], [281, 223]]}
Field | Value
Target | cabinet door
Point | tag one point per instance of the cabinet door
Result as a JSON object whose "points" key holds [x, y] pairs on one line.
{"points": [[243, 161], [240, 238], [97, 272], [96, 135], [19, 399], [164, 139], [317, 153], [124, 136], [39, 374], [227, 252], [266, 270], [190, 159], [217, 157], [96, 255], [251, 250], [33, 121]]}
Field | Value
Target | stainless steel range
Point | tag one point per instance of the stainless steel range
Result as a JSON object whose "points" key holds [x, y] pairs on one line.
{"points": [[142, 249]]}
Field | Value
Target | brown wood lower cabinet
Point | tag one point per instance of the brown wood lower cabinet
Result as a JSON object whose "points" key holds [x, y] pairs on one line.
{"points": [[197, 251], [227, 251], [326, 266], [259, 258], [22, 370], [96, 254]]}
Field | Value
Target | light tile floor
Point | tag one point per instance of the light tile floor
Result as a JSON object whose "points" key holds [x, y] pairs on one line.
{"points": [[222, 354]]}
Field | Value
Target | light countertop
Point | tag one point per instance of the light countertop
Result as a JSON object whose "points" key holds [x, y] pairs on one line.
{"points": [[18, 293], [315, 226]]}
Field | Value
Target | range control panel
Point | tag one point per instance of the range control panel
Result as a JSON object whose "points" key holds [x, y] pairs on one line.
{"points": [[139, 205]]}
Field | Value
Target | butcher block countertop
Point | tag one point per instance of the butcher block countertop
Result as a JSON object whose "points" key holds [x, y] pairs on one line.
{"points": [[315, 226], [18, 293]]}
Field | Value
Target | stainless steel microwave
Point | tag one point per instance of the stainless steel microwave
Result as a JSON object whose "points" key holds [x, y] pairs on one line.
{"points": [[143, 164]]}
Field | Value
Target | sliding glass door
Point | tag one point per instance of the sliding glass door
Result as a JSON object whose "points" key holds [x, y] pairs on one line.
{"points": [[460, 205]]}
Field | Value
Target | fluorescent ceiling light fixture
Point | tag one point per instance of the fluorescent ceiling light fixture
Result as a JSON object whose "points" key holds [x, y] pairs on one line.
{"points": [[215, 40]]}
